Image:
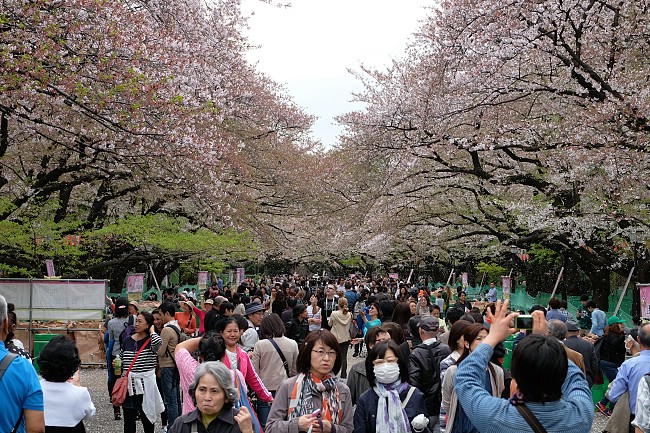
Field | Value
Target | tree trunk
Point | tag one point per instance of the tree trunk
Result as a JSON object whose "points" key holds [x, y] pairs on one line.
{"points": [[600, 286]]}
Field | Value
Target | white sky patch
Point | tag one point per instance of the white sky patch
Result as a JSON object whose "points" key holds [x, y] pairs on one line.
{"points": [[309, 46]]}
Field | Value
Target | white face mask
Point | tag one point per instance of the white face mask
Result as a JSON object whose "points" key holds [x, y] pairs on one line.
{"points": [[386, 373]]}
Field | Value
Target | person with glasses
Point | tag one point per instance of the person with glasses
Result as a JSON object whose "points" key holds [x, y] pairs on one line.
{"points": [[314, 400]]}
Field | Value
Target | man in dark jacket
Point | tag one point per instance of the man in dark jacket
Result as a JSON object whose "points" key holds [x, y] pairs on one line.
{"points": [[424, 368], [298, 327], [573, 341]]}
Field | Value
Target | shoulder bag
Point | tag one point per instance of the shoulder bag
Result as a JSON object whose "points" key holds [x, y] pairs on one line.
{"points": [[285, 364], [8, 359], [121, 387], [530, 418]]}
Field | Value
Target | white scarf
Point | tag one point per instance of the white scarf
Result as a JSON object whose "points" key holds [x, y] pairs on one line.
{"points": [[391, 417]]}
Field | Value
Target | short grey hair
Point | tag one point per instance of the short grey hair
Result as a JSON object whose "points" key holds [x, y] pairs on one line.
{"points": [[221, 373], [3, 309], [558, 329]]}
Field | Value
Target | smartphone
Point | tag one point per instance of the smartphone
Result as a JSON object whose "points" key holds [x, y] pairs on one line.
{"points": [[524, 322], [315, 414]]}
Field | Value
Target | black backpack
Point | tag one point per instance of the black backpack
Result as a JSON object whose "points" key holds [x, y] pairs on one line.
{"points": [[431, 385]]}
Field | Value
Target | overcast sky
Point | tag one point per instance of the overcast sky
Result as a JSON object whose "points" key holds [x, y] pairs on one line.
{"points": [[309, 46]]}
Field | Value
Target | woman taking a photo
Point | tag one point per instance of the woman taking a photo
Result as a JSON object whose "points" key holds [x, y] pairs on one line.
{"points": [[142, 398], [391, 404], [313, 310], [214, 395], [457, 420], [314, 398], [339, 322], [373, 312]]}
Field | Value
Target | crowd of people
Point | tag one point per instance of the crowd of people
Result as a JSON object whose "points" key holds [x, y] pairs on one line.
{"points": [[273, 358]]}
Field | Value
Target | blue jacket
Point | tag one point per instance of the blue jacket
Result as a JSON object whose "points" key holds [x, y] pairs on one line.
{"points": [[573, 413]]}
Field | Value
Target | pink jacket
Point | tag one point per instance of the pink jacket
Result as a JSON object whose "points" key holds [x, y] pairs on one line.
{"points": [[252, 379]]}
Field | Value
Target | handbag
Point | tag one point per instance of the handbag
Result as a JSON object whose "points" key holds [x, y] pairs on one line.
{"points": [[121, 387]]}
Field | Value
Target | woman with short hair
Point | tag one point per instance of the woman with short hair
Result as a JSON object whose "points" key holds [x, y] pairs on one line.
{"points": [[67, 404], [214, 395], [315, 398]]}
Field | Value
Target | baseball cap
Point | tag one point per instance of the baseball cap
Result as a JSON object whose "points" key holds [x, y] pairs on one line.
{"points": [[614, 319], [572, 326]]}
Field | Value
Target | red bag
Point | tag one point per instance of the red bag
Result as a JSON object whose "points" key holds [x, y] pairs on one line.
{"points": [[121, 387], [120, 390]]}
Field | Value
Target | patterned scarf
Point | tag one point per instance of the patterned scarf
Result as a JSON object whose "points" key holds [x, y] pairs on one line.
{"points": [[308, 386], [391, 417]]}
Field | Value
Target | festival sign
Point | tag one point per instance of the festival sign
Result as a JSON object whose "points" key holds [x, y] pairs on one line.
{"points": [[465, 279], [644, 293], [241, 275], [394, 276], [203, 280], [135, 283], [49, 264]]}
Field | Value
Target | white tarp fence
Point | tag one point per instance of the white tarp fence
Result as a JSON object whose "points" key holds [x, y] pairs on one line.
{"points": [[55, 299]]}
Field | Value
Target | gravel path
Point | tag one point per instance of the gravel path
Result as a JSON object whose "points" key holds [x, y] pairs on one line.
{"points": [[103, 422]]}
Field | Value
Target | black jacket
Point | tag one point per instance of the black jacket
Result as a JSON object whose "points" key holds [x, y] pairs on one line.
{"points": [[224, 423], [424, 372], [297, 330], [365, 414]]}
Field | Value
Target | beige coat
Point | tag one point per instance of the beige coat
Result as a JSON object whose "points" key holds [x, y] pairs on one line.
{"points": [[340, 324], [267, 362]]}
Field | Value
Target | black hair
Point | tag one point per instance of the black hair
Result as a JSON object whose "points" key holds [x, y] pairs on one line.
{"points": [[13, 320], [454, 314], [539, 365], [59, 359], [554, 303], [467, 317], [371, 335], [298, 310], [386, 308], [414, 325], [212, 347], [303, 363], [148, 317], [210, 320], [167, 307], [272, 326], [379, 351], [591, 304], [584, 297], [470, 334], [240, 320], [457, 330], [394, 330], [401, 313], [226, 305], [291, 302], [537, 307], [121, 307]]}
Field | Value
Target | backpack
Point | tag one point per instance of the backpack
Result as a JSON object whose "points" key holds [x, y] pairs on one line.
{"points": [[182, 336], [431, 385], [128, 331]]}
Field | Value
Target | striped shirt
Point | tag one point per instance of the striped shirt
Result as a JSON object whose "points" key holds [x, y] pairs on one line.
{"points": [[148, 358]]}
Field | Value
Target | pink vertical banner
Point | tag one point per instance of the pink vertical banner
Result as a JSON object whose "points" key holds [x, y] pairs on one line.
{"points": [[49, 264], [505, 286], [134, 283], [644, 294], [241, 275], [465, 280], [203, 280]]}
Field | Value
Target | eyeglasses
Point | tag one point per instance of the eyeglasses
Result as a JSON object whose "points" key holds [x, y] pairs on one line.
{"points": [[321, 353]]}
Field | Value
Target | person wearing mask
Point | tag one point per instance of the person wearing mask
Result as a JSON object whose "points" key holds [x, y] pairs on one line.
{"points": [[545, 385], [392, 404], [357, 379]]}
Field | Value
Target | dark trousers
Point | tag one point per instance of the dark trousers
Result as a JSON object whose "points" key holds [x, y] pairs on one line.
{"points": [[344, 362]]}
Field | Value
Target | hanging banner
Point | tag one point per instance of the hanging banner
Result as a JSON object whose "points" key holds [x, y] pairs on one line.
{"points": [[505, 286], [203, 280], [49, 264], [465, 279], [644, 294], [394, 276], [135, 283], [241, 275]]}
